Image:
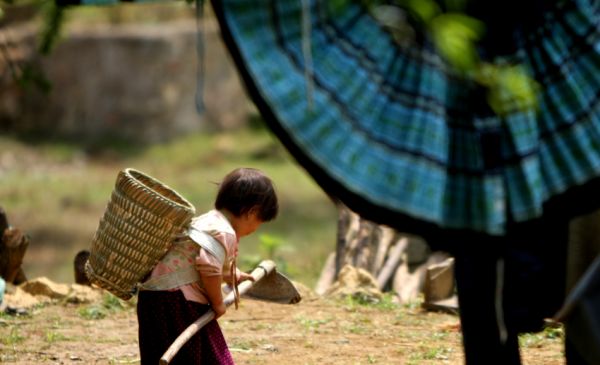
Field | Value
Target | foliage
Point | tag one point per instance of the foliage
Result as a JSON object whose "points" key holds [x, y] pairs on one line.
{"points": [[549, 334], [427, 352], [52, 25], [509, 88], [52, 336], [310, 324], [456, 35], [269, 249], [385, 303], [29, 74], [13, 337], [52, 20], [109, 304]]}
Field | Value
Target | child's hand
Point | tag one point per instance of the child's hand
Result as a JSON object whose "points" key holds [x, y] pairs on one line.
{"points": [[219, 309], [242, 276]]}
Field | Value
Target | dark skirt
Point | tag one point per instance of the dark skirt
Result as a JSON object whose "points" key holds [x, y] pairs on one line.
{"points": [[163, 315]]}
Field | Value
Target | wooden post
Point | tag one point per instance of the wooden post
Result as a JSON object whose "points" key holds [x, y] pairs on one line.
{"points": [[366, 245], [386, 254], [391, 263], [357, 240], [328, 274]]}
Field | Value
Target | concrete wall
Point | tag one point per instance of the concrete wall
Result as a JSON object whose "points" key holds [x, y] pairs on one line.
{"points": [[135, 82]]}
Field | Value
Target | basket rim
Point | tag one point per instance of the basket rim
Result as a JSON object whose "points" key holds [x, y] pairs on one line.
{"points": [[187, 206]]}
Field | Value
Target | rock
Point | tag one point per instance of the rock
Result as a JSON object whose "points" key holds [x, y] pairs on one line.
{"points": [[43, 290], [448, 305], [409, 280], [83, 294], [305, 292], [439, 281], [357, 283], [417, 251], [20, 299], [45, 287], [439, 288]]}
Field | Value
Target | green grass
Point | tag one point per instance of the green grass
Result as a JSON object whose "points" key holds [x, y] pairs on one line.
{"points": [[57, 192], [426, 352], [311, 325], [109, 304], [539, 339], [13, 337], [129, 13], [385, 303], [51, 337]]}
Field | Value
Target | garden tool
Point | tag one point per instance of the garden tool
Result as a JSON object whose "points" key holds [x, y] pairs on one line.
{"points": [[268, 285]]}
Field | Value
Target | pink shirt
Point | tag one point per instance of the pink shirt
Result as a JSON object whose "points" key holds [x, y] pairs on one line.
{"points": [[186, 252]]}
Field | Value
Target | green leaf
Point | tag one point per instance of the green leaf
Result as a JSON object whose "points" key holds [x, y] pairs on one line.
{"points": [[53, 21], [425, 10], [510, 88], [455, 35]]}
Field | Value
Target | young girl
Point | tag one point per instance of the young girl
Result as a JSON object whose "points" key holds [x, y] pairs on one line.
{"points": [[186, 283]]}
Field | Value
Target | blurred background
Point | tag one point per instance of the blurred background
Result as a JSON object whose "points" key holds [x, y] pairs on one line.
{"points": [[114, 87]]}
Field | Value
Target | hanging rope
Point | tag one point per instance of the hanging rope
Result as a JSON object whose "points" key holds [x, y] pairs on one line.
{"points": [[499, 300], [199, 99], [307, 52], [233, 276]]}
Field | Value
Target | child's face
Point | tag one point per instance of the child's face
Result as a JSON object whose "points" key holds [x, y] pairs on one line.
{"points": [[248, 224]]}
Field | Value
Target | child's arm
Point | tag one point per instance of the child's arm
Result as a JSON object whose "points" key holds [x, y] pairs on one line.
{"points": [[212, 284], [240, 276]]}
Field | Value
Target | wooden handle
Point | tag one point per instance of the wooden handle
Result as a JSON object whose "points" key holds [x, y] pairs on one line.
{"points": [[263, 269]]}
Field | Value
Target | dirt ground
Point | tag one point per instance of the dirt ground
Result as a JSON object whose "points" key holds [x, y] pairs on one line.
{"points": [[315, 331]]}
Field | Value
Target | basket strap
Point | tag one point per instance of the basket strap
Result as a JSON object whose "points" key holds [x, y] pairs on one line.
{"points": [[171, 280], [188, 274], [209, 243]]}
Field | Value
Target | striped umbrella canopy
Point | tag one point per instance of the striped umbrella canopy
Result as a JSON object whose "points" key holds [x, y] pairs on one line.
{"points": [[403, 137]]}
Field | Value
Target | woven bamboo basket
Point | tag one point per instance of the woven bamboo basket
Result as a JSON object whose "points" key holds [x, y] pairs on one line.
{"points": [[141, 219]]}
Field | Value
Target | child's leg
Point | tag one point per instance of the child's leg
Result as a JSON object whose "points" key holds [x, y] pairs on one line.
{"points": [[162, 316]]}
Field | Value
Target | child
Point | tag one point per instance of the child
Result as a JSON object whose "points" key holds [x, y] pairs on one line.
{"points": [[186, 283]]}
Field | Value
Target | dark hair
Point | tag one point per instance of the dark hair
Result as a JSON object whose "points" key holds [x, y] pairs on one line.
{"points": [[244, 189]]}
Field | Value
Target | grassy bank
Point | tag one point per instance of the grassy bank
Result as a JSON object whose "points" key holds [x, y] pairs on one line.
{"points": [[57, 193]]}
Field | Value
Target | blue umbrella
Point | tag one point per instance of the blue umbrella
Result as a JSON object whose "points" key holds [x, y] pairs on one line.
{"points": [[405, 139]]}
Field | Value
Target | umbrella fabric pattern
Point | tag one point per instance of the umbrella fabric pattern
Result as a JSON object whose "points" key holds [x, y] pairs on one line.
{"points": [[404, 139]]}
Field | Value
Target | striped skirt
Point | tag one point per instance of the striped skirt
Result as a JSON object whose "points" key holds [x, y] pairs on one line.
{"points": [[393, 131], [163, 315]]}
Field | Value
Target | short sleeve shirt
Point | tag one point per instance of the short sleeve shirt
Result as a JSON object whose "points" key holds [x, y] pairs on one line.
{"points": [[185, 252]]}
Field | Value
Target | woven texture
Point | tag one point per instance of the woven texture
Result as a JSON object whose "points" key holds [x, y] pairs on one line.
{"points": [[137, 228], [399, 137]]}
